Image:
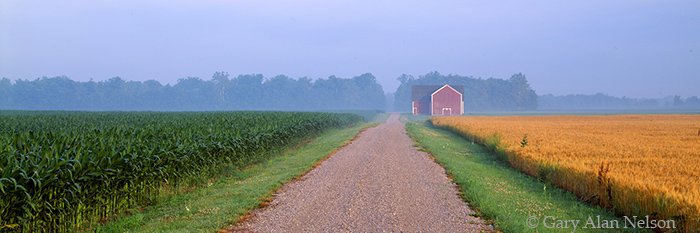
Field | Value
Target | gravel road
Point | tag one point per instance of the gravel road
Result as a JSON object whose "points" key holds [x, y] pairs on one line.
{"points": [[377, 183]]}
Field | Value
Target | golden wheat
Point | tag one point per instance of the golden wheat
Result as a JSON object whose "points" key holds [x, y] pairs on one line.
{"points": [[637, 164]]}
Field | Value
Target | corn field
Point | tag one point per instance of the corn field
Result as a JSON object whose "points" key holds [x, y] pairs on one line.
{"points": [[634, 164], [59, 170]]}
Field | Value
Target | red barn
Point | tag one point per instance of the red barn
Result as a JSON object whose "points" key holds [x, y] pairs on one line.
{"points": [[437, 100]]}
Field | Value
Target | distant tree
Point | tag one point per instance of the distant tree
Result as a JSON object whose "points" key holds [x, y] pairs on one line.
{"points": [[304, 96], [324, 93], [525, 98], [150, 96], [281, 93], [5, 89], [389, 102], [371, 94], [677, 101], [221, 84], [692, 101], [194, 93], [404, 78], [115, 94], [305, 82], [348, 92], [22, 92], [248, 92], [152, 84]]}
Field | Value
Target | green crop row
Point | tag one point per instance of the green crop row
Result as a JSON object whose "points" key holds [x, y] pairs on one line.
{"points": [[60, 169]]}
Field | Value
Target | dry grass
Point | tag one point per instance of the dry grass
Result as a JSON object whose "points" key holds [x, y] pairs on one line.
{"points": [[634, 164]]}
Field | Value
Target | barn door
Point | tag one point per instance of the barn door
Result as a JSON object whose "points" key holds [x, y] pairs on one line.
{"points": [[446, 111]]}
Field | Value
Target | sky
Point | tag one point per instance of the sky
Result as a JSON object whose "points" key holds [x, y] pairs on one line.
{"points": [[632, 48]]}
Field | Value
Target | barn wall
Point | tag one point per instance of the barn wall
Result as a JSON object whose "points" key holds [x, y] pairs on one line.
{"points": [[422, 107], [447, 98]]}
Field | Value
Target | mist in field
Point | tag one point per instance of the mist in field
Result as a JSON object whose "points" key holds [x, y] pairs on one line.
{"points": [[311, 55]]}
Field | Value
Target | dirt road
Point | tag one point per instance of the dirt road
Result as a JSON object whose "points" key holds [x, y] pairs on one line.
{"points": [[377, 183]]}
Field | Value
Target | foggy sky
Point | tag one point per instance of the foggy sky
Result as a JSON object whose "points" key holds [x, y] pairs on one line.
{"points": [[632, 48]]}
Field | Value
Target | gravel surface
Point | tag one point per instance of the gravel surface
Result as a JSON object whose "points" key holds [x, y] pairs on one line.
{"points": [[377, 183]]}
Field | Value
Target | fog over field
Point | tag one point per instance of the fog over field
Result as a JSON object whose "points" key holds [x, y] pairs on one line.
{"points": [[633, 49]]}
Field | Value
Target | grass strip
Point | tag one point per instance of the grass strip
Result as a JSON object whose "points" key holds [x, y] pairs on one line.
{"points": [[511, 200], [223, 202]]}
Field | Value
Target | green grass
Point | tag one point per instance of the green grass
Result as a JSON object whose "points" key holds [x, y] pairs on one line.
{"points": [[221, 203], [412, 118], [505, 196]]}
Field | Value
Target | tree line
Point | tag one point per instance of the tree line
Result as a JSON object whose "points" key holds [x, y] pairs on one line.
{"points": [[513, 94], [256, 92], [244, 92], [604, 101]]}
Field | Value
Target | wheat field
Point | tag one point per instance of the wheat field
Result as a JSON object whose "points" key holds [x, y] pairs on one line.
{"points": [[634, 164]]}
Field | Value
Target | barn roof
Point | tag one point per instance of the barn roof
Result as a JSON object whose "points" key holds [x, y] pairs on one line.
{"points": [[422, 92]]}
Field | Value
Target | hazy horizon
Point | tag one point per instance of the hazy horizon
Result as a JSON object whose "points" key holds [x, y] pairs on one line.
{"points": [[637, 49]]}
